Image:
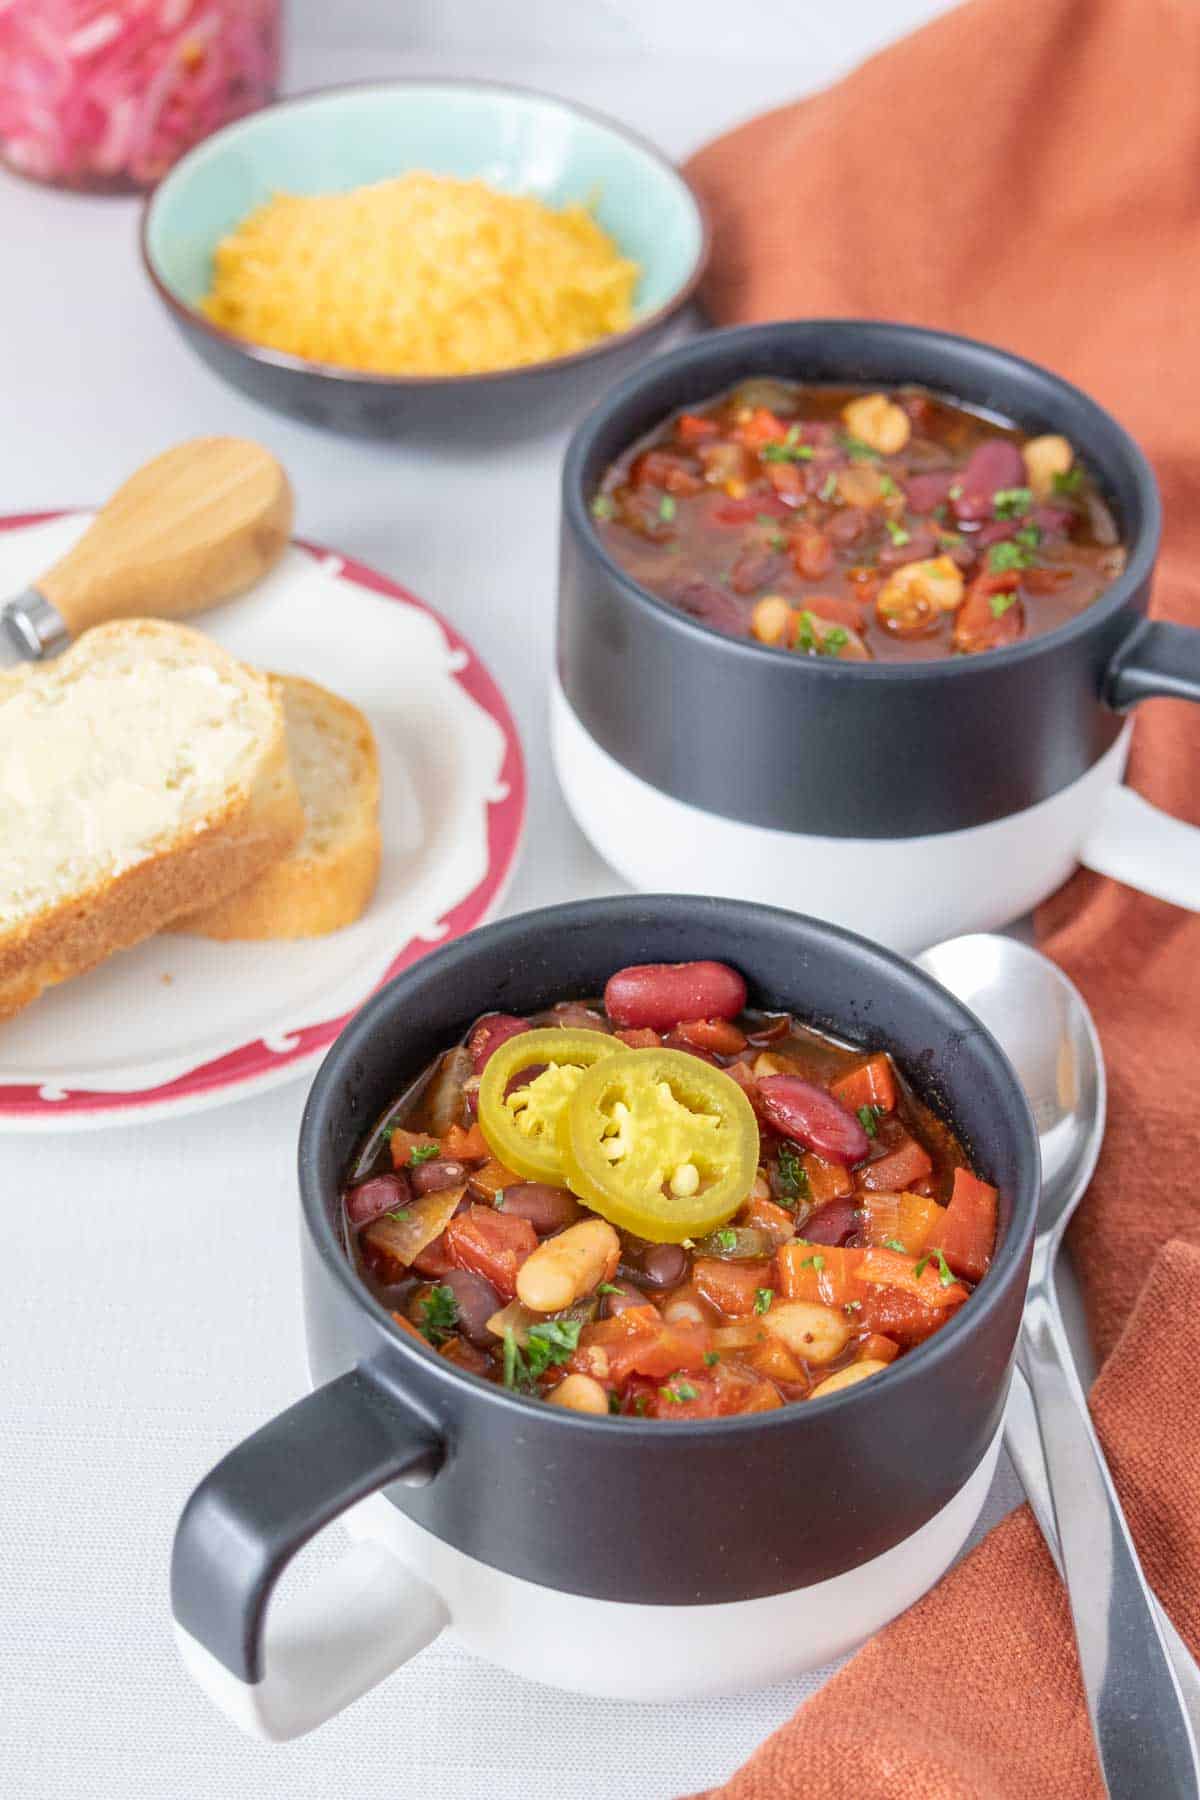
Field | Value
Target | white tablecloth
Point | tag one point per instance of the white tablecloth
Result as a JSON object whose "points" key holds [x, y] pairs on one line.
{"points": [[148, 1278]]}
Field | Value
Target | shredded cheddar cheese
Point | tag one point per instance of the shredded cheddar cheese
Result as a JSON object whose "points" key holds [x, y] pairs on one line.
{"points": [[421, 275]]}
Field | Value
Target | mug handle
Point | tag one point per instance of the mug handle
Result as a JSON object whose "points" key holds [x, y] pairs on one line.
{"points": [[1131, 840], [355, 1622]]}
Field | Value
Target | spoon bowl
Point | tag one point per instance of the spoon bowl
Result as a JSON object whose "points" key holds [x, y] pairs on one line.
{"points": [[1042, 1021]]}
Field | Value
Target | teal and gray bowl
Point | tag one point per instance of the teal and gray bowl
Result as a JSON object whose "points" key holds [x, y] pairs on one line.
{"points": [[340, 138]]}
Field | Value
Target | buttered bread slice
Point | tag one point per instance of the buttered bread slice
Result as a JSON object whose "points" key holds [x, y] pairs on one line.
{"points": [[143, 773], [328, 879]]}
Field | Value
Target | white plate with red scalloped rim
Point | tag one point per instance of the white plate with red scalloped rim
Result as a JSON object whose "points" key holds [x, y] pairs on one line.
{"points": [[180, 1023]]}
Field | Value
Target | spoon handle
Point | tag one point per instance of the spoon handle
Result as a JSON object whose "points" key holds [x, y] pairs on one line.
{"points": [[1024, 1445], [1143, 1735]]}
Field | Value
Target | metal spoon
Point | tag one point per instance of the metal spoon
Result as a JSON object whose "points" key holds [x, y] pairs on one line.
{"points": [[1143, 1735]]}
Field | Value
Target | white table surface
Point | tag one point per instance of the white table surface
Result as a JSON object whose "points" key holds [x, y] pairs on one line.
{"points": [[149, 1312]]}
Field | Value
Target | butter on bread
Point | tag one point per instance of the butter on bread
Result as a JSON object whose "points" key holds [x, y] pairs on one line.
{"points": [[327, 881], [143, 772]]}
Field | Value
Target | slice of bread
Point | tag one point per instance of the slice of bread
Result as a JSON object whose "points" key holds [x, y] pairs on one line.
{"points": [[143, 771], [328, 879]]}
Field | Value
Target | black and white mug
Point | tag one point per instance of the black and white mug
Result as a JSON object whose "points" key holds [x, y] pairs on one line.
{"points": [[731, 1551], [909, 801]]}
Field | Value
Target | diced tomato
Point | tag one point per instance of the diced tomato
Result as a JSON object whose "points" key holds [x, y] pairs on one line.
{"points": [[878, 1267], [464, 1355], [826, 1181], [786, 479], [403, 1143], [906, 1163], [764, 1215], [639, 1341], [731, 1287], [896, 1314], [812, 554], [838, 612], [641, 1039], [491, 1244], [721, 1036], [693, 428], [685, 1396], [966, 1232], [465, 1146], [822, 1272], [872, 1084], [762, 427], [874, 1347], [658, 468], [977, 626], [434, 1260], [904, 1219], [773, 1359]]}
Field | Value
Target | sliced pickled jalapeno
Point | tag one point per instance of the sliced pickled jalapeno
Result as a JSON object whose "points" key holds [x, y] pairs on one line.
{"points": [[523, 1126], [659, 1143]]}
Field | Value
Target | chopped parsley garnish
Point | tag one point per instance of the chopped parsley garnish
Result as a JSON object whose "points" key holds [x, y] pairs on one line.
{"points": [[951, 537], [762, 1299], [829, 488], [666, 508], [894, 1244], [818, 643], [816, 1261], [1030, 536], [887, 486], [725, 1240], [423, 1153], [791, 1177], [955, 490], [945, 1276], [897, 532], [1012, 503], [398, 1213], [833, 640], [641, 1402], [614, 1404], [805, 637], [606, 1287], [711, 1357], [439, 1314], [550, 1341], [857, 449], [790, 450], [682, 1390], [998, 604], [1069, 481], [777, 541], [867, 1118], [766, 519], [941, 510], [852, 1306], [1008, 555], [602, 507]]}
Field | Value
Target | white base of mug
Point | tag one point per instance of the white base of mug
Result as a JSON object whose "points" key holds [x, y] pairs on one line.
{"points": [[904, 892], [679, 1652]]}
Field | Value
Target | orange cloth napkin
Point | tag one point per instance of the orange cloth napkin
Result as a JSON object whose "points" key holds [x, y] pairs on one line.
{"points": [[1029, 174]]}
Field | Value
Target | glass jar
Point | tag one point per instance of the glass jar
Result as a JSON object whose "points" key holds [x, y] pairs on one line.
{"points": [[106, 94]]}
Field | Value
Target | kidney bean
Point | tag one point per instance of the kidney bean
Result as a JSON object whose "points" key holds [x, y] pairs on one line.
{"points": [[921, 544], [547, 1208], [490, 1033], [626, 1296], [665, 1265], [382, 1193], [1054, 521], [924, 492], [994, 464], [832, 1223], [746, 512], [753, 569], [847, 526], [523, 1077], [662, 995], [432, 1177], [573, 1015], [477, 1301], [705, 601], [812, 555], [813, 1118]]}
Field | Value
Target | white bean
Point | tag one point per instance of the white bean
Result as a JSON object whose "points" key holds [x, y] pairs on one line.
{"points": [[579, 1393], [847, 1377], [811, 1331], [1046, 457], [565, 1268], [879, 422]]}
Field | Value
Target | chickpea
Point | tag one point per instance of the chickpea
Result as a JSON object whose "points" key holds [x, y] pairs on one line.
{"points": [[913, 598], [565, 1268], [860, 485], [879, 422], [771, 620], [833, 1384], [1046, 457], [579, 1393], [815, 1333]]}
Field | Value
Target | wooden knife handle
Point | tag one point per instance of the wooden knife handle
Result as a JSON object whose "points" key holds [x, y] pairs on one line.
{"points": [[198, 524]]}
